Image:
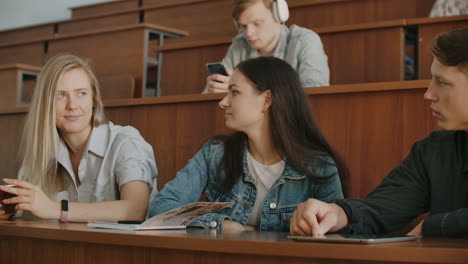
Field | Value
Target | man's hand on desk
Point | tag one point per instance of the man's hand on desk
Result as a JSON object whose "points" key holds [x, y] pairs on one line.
{"points": [[316, 218], [417, 231]]}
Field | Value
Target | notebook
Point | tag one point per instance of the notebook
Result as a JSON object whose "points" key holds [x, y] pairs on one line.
{"points": [[175, 219]]}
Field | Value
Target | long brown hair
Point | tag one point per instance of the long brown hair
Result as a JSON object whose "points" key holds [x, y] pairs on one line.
{"points": [[296, 135]]}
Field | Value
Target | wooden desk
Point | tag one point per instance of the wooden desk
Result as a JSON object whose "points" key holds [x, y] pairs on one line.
{"points": [[48, 242]]}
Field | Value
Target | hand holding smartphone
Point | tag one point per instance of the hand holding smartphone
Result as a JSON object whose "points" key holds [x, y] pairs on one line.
{"points": [[8, 208], [216, 68]]}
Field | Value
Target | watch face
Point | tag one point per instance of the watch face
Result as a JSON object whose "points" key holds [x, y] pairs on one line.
{"points": [[65, 205]]}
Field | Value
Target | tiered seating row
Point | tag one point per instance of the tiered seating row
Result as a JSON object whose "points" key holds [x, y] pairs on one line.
{"points": [[212, 18], [372, 125], [358, 53], [120, 55]]}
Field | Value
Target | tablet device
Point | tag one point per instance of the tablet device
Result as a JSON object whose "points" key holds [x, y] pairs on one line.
{"points": [[356, 239]]}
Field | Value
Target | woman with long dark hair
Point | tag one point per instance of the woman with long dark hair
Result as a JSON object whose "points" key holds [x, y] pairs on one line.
{"points": [[276, 159]]}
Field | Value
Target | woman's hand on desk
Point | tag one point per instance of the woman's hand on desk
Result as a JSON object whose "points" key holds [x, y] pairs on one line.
{"points": [[316, 218], [31, 198], [3, 215], [417, 231]]}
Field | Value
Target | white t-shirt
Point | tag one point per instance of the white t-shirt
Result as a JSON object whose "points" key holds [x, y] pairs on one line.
{"points": [[265, 176]]}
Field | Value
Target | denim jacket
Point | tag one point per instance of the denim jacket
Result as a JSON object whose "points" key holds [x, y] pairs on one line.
{"points": [[292, 187]]}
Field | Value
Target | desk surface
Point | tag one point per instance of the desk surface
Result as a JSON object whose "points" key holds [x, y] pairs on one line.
{"points": [[273, 246]]}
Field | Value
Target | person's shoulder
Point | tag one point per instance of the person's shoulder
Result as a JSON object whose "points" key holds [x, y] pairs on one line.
{"points": [[441, 136], [123, 132], [302, 33], [441, 139], [216, 142], [323, 165]]}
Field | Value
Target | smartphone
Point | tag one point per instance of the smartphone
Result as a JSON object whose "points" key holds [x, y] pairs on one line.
{"points": [[8, 208], [216, 68]]}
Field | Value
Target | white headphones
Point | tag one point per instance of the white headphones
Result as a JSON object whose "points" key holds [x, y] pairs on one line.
{"points": [[280, 10]]}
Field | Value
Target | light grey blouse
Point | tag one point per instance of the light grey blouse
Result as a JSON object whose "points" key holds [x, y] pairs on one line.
{"points": [[114, 156]]}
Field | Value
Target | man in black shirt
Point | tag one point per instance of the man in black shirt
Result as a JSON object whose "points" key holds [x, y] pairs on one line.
{"points": [[434, 176]]}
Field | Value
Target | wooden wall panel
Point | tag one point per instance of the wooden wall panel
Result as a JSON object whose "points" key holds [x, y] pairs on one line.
{"points": [[153, 3], [365, 56], [111, 53], [373, 130], [357, 11], [10, 138], [201, 20], [184, 70], [41, 242], [213, 18], [81, 25], [10, 82], [27, 33], [32, 54], [103, 8], [18, 82], [427, 32]]}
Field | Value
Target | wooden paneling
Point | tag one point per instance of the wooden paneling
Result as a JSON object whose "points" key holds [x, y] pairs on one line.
{"points": [[117, 86], [111, 53], [86, 24], [213, 18], [184, 70], [10, 139], [355, 11], [373, 126], [374, 55], [14, 79], [103, 8], [29, 53], [201, 20], [147, 4], [9, 92], [27, 33], [428, 30], [49, 242]]}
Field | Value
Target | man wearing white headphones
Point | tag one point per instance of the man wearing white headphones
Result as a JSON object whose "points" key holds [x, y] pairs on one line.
{"points": [[263, 33]]}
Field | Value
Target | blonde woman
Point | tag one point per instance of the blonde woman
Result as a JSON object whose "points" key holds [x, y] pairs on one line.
{"points": [[75, 165]]}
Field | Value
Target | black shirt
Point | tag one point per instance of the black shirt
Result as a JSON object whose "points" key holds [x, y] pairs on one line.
{"points": [[433, 178]]}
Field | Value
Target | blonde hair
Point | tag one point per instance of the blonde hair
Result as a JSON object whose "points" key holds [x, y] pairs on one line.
{"points": [[239, 6], [40, 139]]}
